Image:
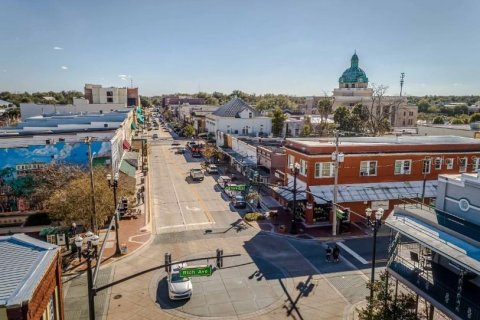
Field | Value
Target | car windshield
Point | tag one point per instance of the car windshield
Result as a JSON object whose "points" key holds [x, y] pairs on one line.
{"points": [[176, 278], [239, 198]]}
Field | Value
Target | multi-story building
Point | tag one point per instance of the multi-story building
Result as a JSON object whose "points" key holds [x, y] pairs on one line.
{"points": [[353, 89], [195, 115], [436, 251], [376, 171], [177, 100], [238, 118], [95, 93], [30, 279]]}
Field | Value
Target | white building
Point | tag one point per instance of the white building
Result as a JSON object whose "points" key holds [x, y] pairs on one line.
{"points": [[97, 94], [238, 118]]}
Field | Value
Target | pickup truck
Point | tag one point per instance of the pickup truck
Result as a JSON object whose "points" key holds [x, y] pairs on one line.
{"points": [[196, 174]]}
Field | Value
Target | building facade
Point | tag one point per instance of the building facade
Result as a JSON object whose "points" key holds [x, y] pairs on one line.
{"points": [[30, 279], [96, 94], [238, 118], [177, 100], [436, 251], [375, 172]]}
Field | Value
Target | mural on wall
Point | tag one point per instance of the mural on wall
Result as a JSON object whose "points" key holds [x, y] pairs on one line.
{"points": [[35, 156]]}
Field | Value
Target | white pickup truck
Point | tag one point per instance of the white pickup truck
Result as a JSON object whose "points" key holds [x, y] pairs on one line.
{"points": [[196, 174]]}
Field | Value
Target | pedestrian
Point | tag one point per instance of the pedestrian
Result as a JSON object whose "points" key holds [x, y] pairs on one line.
{"points": [[336, 253], [138, 197], [143, 197], [328, 254]]}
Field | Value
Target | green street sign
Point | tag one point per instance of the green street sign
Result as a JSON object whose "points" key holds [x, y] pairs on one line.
{"points": [[195, 271], [236, 187]]}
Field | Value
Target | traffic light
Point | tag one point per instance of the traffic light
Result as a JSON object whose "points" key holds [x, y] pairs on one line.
{"points": [[168, 262], [219, 258]]}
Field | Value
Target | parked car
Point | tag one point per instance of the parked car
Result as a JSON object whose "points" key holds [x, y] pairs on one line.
{"points": [[223, 181], [190, 144], [196, 174], [180, 150], [212, 169], [179, 288], [175, 143], [238, 201]]}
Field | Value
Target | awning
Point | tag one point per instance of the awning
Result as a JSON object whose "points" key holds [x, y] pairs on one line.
{"points": [[126, 145], [286, 192], [375, 191], [127, 168], [271, 203], [131, 157], [140, 118], [133, 126], [139, 109], [243, 160], [439, 239]]}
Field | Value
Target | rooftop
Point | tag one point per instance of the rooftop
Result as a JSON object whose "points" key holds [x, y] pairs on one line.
{"points": [[385, 140], [24, 262], [233, 108]]}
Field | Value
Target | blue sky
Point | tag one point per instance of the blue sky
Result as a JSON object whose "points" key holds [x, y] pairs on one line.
{"points": [[294, 47]]}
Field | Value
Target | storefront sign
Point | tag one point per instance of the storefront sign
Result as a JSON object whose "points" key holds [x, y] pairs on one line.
{"points": [[236, 187], [380, 204]]}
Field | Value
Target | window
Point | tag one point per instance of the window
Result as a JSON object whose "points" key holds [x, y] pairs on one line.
{"points": [[476, 164], [109, 93], [410, 113], [463, 164], [449, 163], [303, 167], [426, 166], [403, 166], [324, 169], [368, 168], [249, 114], [291, 161], [109, 99], [438, 163]]}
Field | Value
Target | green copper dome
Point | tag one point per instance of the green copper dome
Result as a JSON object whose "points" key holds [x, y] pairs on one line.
{"points": [[353, 74]]}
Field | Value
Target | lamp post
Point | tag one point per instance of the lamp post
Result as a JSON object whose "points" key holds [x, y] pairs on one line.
{"points": [[88, 254], [374, 222], [114, 185], [295, 169]]}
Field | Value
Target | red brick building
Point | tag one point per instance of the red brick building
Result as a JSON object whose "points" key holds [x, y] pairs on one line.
{"points": [[377, 172], [30, 279]]}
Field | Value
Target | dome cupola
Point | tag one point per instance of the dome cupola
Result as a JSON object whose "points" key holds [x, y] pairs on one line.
{"points": [[353, 75]]}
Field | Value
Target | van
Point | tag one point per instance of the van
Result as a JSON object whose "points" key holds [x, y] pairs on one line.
{"points": [[223, 181]]}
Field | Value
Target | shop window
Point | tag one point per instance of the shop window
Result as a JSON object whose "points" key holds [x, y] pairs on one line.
{"points": [[403, 166], [449, 163], [368, 168], [291, 161], [438, 163], [324, 169], [463, 164]]}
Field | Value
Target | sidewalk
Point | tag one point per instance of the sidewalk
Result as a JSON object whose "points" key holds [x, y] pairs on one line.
{"points": [[133, 233]]}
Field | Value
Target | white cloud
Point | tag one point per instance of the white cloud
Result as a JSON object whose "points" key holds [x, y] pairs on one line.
{"points": [[124, 77], [64, 68], [57, 48]]}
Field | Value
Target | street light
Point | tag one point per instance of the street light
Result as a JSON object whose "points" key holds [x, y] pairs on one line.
{"points": [[114, 185], [295, 169], [374, 223]]}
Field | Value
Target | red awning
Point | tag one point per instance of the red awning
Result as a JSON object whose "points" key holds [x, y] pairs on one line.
{"points": [[126, 145]]}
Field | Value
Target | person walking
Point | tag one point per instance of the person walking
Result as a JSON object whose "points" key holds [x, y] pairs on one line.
{"points": [[328, 254], [143, 197], [336, 253]]}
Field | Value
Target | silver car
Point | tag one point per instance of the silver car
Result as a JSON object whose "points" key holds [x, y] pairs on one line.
{"points": [[178, 288]]}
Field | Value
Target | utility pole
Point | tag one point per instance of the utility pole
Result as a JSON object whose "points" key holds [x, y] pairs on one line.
{"points": [[93, 216], [402, 77], [335, 187]]}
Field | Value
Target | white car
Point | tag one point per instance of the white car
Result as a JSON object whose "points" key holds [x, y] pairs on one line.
{"points": [[212, 169], [178, 288]]}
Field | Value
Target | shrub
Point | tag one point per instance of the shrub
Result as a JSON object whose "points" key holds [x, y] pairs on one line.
{"points": [[38, 219], [254, 216]]}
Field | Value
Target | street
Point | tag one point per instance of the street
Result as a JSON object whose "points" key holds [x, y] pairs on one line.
{"points": [[276, 276]]}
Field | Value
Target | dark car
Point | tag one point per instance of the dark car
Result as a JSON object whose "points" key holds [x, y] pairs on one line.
{"points": [[175, 143], [180, 150], [239, 202]]}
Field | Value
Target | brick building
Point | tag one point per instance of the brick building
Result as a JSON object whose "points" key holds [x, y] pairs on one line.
{"points": [[377, 172], [176, 100], [30, 279]]}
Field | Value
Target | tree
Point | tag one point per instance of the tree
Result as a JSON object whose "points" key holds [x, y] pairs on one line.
{"points": [[423, 105], [324, 107], [460, 110], [384, 305], [270, 102], [438, 120], [342, 118], [359, 118], [306, 131], [210, 100], [278, 118], [211, 152], [380, 109], [475, 117], [456, 121], [71, 203], [189, 131]]}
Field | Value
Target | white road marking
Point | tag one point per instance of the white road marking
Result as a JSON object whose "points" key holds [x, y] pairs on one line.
{"points": [[176, 195], [353, 253], [185, 225], [192, 209]]}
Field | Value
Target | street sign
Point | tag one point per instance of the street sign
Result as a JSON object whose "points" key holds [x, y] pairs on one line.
{"points": [[235, 187], [196, 271]]}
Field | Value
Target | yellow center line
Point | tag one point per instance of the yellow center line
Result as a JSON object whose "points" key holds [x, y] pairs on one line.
{"points": [[195, 194]]}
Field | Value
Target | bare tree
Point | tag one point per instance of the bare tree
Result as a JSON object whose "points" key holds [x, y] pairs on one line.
{"points": [[380, 110]]}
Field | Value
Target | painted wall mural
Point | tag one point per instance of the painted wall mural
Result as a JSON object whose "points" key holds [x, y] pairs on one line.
{"points": [[30, 157]]}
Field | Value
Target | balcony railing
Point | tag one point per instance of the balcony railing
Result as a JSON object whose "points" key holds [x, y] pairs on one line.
{"points": [[444, 295]]}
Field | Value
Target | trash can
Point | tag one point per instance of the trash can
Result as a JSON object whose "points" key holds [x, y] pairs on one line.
{"points": [[123, 248]]}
